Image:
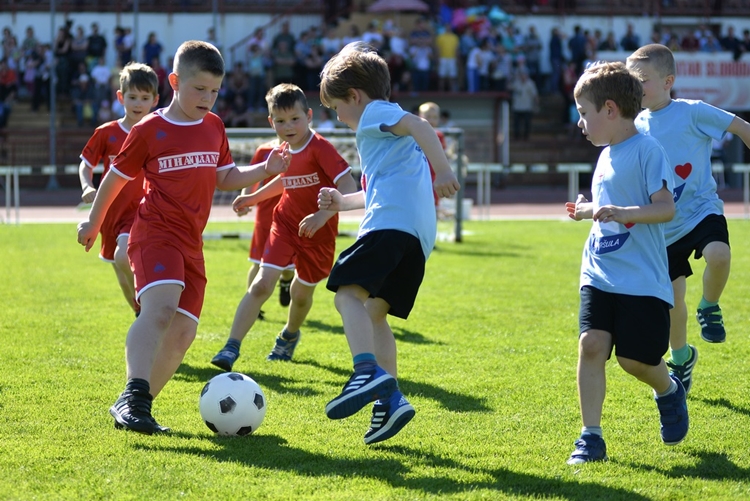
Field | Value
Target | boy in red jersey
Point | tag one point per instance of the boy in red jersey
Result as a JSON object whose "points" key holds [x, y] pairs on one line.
{"points": [[301, 234], [261, 230], [185, 154], [431, 112], [138, 93]]}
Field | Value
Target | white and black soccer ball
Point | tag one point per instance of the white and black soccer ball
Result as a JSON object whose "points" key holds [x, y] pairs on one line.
{"points": [[232, 404]]}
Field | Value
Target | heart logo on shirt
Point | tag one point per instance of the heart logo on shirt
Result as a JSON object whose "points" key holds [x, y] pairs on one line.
{"points": [[629, 225], [684, 170]]}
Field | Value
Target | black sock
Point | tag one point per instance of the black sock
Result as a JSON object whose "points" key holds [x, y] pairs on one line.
{"points": [[289, 336], [233, 345], [138, 386]]}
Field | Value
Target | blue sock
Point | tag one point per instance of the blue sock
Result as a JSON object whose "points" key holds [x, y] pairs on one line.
{"points": [[364, 362], [680, 356], [233, 345], [705, 304], [289, 336]]}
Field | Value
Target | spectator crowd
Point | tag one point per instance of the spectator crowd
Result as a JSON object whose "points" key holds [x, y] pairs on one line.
{"points": [[454, 51]]}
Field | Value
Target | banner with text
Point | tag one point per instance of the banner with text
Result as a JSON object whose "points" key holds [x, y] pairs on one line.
{"points": [[715, 78]]}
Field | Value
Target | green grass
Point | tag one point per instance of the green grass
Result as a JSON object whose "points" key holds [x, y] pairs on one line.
{"points": [[488, 359]]}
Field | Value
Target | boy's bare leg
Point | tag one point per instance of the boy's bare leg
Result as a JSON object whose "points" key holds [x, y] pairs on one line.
{"points": [[593, 349], [350, 303], [250, 304], [158, 307], [385, 342], [302, 301], [656, 376], [124, 272], [177, 340], [718, 258], [678, 315]]}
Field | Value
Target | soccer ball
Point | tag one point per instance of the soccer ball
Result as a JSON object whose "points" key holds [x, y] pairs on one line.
{"points": [[232, 404]]}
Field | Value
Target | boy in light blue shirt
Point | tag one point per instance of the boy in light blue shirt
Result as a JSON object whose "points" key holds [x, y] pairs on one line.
{"points": [[625, 289], [381, 273], [686, 128]]}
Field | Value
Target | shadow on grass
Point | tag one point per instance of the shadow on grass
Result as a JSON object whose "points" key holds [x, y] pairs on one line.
{"points": [[279, 384], [323, 327], [710, 466], [272, 453], [474, 252], [725, 403], [401, 334], [448, 400]]}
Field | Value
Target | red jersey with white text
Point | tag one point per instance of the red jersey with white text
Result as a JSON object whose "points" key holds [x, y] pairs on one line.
{"points": [[103, 146], [180, 160], [314, 166]]}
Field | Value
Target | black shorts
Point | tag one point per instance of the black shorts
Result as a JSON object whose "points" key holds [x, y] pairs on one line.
{"points": [[713, 228], [389, 264], [639, 325]]}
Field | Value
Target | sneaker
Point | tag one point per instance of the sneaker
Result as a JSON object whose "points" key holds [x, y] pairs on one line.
{"points": [[388, 417], [589, 447], [132, 411], [361, 389], [261, 315], [684, 372], [712, 324], [284, 296], [674, 415], [283, 350], [225, 359]]}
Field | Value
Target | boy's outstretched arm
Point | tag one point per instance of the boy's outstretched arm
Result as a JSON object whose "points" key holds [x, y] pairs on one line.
{"points": [[86, 175], [420, 129], [109, 188], [268, 190], [332, 199], [237, 178], [741, 128], [580, 209], [660, 210], [311, 223]]}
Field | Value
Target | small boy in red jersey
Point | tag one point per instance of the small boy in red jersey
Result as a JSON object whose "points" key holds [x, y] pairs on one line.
{"points": [[431, 112], [185, 154], [301, 234], [261, 230], [138, 93]]}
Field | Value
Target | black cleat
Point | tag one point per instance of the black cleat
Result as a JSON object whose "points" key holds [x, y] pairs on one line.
{"points": [[132, 411]]}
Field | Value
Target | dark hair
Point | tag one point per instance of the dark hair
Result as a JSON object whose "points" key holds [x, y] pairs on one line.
{"points": [[285, 96], [357, 66], [195, 56]]}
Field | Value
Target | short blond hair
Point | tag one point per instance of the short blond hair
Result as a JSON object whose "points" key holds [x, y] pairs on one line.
{"points": [[657, 55], [429, 106]]}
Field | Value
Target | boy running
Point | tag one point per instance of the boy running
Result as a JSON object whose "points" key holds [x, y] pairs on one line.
{"points": [[381, 273], [625, 289], [301, 234], [138, 93], [185, 154], [685, 128]]}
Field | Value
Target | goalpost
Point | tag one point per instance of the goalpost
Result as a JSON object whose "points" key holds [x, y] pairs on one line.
{"points": [[244, 141]]}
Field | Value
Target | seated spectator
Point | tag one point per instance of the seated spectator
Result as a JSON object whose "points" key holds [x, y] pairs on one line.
{"points": [[256, 68], [82, 91], [710, 43], [238, 83], [238, 115], [372, 35], [330, 43], [283, 63]]}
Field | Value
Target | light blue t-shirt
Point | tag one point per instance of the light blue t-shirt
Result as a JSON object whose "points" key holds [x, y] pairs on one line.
{"points": [[685, 129], [398, 193], [628, 258]]}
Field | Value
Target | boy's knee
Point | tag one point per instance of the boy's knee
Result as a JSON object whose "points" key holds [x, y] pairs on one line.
{"points": [[717, 254], [594, 344]]}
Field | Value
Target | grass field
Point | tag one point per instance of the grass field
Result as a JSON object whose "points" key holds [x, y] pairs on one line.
{"points": [[487, 358]]}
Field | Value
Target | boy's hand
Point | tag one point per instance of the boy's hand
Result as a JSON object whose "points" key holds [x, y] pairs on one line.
{"points": [[279, 159], [575, 210], [87, 234], [446, 184], [311, 224], [241, 205], [330, 199], [610, 213], [89, 193]]}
